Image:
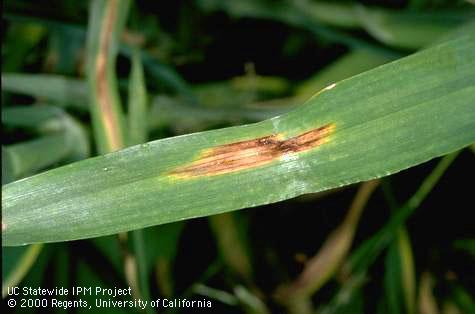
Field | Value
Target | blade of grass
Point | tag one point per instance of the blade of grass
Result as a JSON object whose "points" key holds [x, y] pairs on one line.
{"points": [[49, 120], [106, 21], [38, 260], [218, 295], [165, 110], [365, 255], [408, 280], [40, 117], [8, 171], [22, 267], [212, 269], [56, 89], [346, 15], [320, 268], [354, 62], [62, 261], [400, 29], [427, 300], [138, 134], [162, 73], [162, 243], [385, 120], [182, 116], [392, 275], [240, 90], [410, 30], [400, 274], [355, 269], [464, 299], [30, 156], [137, 116], [250, 302], [348, 299], [90, 277], [232, 245], [291, 14]]}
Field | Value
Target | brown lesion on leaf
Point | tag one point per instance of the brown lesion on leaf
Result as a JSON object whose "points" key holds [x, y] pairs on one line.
{"points": [[102, 86], [252, 153]]}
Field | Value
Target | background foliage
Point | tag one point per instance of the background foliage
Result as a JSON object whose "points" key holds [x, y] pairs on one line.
{"points": [[382, 246]]}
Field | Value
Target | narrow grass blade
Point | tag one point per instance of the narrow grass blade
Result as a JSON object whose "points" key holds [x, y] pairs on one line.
{"points": [[106, 21], [161, 245], [27, 259], [183, 116], [410, 30], [61, 137], [292, 14], [137, 114], [321, 267], [399, 275], [392, 283], [163, 73], [8, 171], [240, 90], [464, 299], [408, 280], [365, 255], [39, 117], [427, 301], [57, 89], [232, 245], [31, 156], [353, 63], [215, 294], [250, 302]]}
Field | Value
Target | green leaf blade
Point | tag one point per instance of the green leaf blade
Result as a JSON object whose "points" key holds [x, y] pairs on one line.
{"points": [[386, 120]]}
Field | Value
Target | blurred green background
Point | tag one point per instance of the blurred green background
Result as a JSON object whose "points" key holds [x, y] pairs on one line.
{"points": [[209, 64]]}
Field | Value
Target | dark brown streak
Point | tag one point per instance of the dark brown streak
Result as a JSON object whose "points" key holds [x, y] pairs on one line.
{"points": [[252, 153]]}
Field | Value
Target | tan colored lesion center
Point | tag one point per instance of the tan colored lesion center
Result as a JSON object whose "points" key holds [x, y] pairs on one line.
{"points": [[251, 153]]}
